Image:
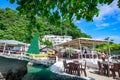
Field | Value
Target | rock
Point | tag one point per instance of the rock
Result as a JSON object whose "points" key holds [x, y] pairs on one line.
{"points": [[13, 69]]}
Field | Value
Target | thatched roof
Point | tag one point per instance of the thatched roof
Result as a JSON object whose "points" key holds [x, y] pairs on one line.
{"points": [[83, 41]]}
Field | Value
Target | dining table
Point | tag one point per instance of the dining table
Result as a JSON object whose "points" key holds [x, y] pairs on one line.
{"points": [[108, 66], [74, 66]]}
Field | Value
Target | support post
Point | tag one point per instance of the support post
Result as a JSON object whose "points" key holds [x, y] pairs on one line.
{"points": [[93, 50], [69, 51], [4, 47], [109, 53], [80, 48]]}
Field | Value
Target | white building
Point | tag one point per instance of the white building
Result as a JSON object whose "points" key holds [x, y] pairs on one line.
{"points": [[56, 39]]}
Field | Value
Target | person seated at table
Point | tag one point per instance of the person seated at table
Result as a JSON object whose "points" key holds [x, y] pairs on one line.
{"points": [[106, 54], [85, 51], [103, 56]]}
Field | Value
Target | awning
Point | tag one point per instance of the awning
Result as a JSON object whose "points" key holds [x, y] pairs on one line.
{"points": [[12, 42], [83, 41]]}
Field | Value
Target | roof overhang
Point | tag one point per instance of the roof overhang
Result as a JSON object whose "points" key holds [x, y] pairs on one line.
{"points": [[83, 41], [12, 42]]}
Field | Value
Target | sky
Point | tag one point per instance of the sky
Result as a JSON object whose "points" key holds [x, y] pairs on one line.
{"points": [[107, 24]]}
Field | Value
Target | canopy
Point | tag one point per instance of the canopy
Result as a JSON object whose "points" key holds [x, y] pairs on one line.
{"points": [[83, 41], [12, 42]]}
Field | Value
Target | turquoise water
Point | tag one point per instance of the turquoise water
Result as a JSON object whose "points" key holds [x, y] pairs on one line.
{"points": [[38, 72]]}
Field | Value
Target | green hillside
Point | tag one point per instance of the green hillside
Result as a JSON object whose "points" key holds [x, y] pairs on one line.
{"points": [[15, 26]]}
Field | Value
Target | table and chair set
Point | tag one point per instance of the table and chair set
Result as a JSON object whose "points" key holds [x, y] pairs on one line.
{"points": [[75, 67], [107, 67]]}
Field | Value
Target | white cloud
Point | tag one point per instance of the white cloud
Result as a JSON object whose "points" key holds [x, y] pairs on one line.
{"points": [[114, 37], [107, 10], [103, 24], [100, 37]]}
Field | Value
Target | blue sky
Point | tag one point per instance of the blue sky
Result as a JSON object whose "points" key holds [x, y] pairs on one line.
{"points": [[107, 24], [6, 3]]}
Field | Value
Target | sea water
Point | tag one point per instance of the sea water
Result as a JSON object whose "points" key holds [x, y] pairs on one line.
{"points": [[39, 72]]}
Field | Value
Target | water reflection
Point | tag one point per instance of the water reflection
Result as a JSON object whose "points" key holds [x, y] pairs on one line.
{"points": [[38, 72]]}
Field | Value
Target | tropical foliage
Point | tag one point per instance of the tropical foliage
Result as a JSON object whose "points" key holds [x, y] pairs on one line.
{"points": [[15, 26], [48, 43], [114, 48], [11, 25], [57, 10], [59, 14]]}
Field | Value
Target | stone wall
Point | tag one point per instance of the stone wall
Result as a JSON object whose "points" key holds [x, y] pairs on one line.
{"points": [[12, 69]]}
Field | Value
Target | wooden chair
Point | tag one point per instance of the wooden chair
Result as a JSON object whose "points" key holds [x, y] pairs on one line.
{"points": [[80, 55], [119, 57], [66, 66], [74, 68], [101, 68], [83, 69], [116, 68]]}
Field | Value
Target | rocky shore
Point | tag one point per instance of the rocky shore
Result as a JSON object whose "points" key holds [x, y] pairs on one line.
{"points": [[12, 69]]}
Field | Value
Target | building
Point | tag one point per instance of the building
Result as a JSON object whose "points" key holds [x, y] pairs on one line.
{"points": [[57, 39], [13, 46]]}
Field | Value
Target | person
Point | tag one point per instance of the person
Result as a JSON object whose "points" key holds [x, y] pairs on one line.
{"points": [[106, 54], [85, 51], [103, 56]]}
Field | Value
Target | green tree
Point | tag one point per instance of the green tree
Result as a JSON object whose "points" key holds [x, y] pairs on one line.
{"points": [[114, 48], [61, 9], [111, 41], [57, 11], [12, 25], [48, 43], [15, 26]]}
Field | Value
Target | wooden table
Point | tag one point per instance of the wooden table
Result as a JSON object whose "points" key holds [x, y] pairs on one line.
{"points": [[108, 65], [74, 67]]}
